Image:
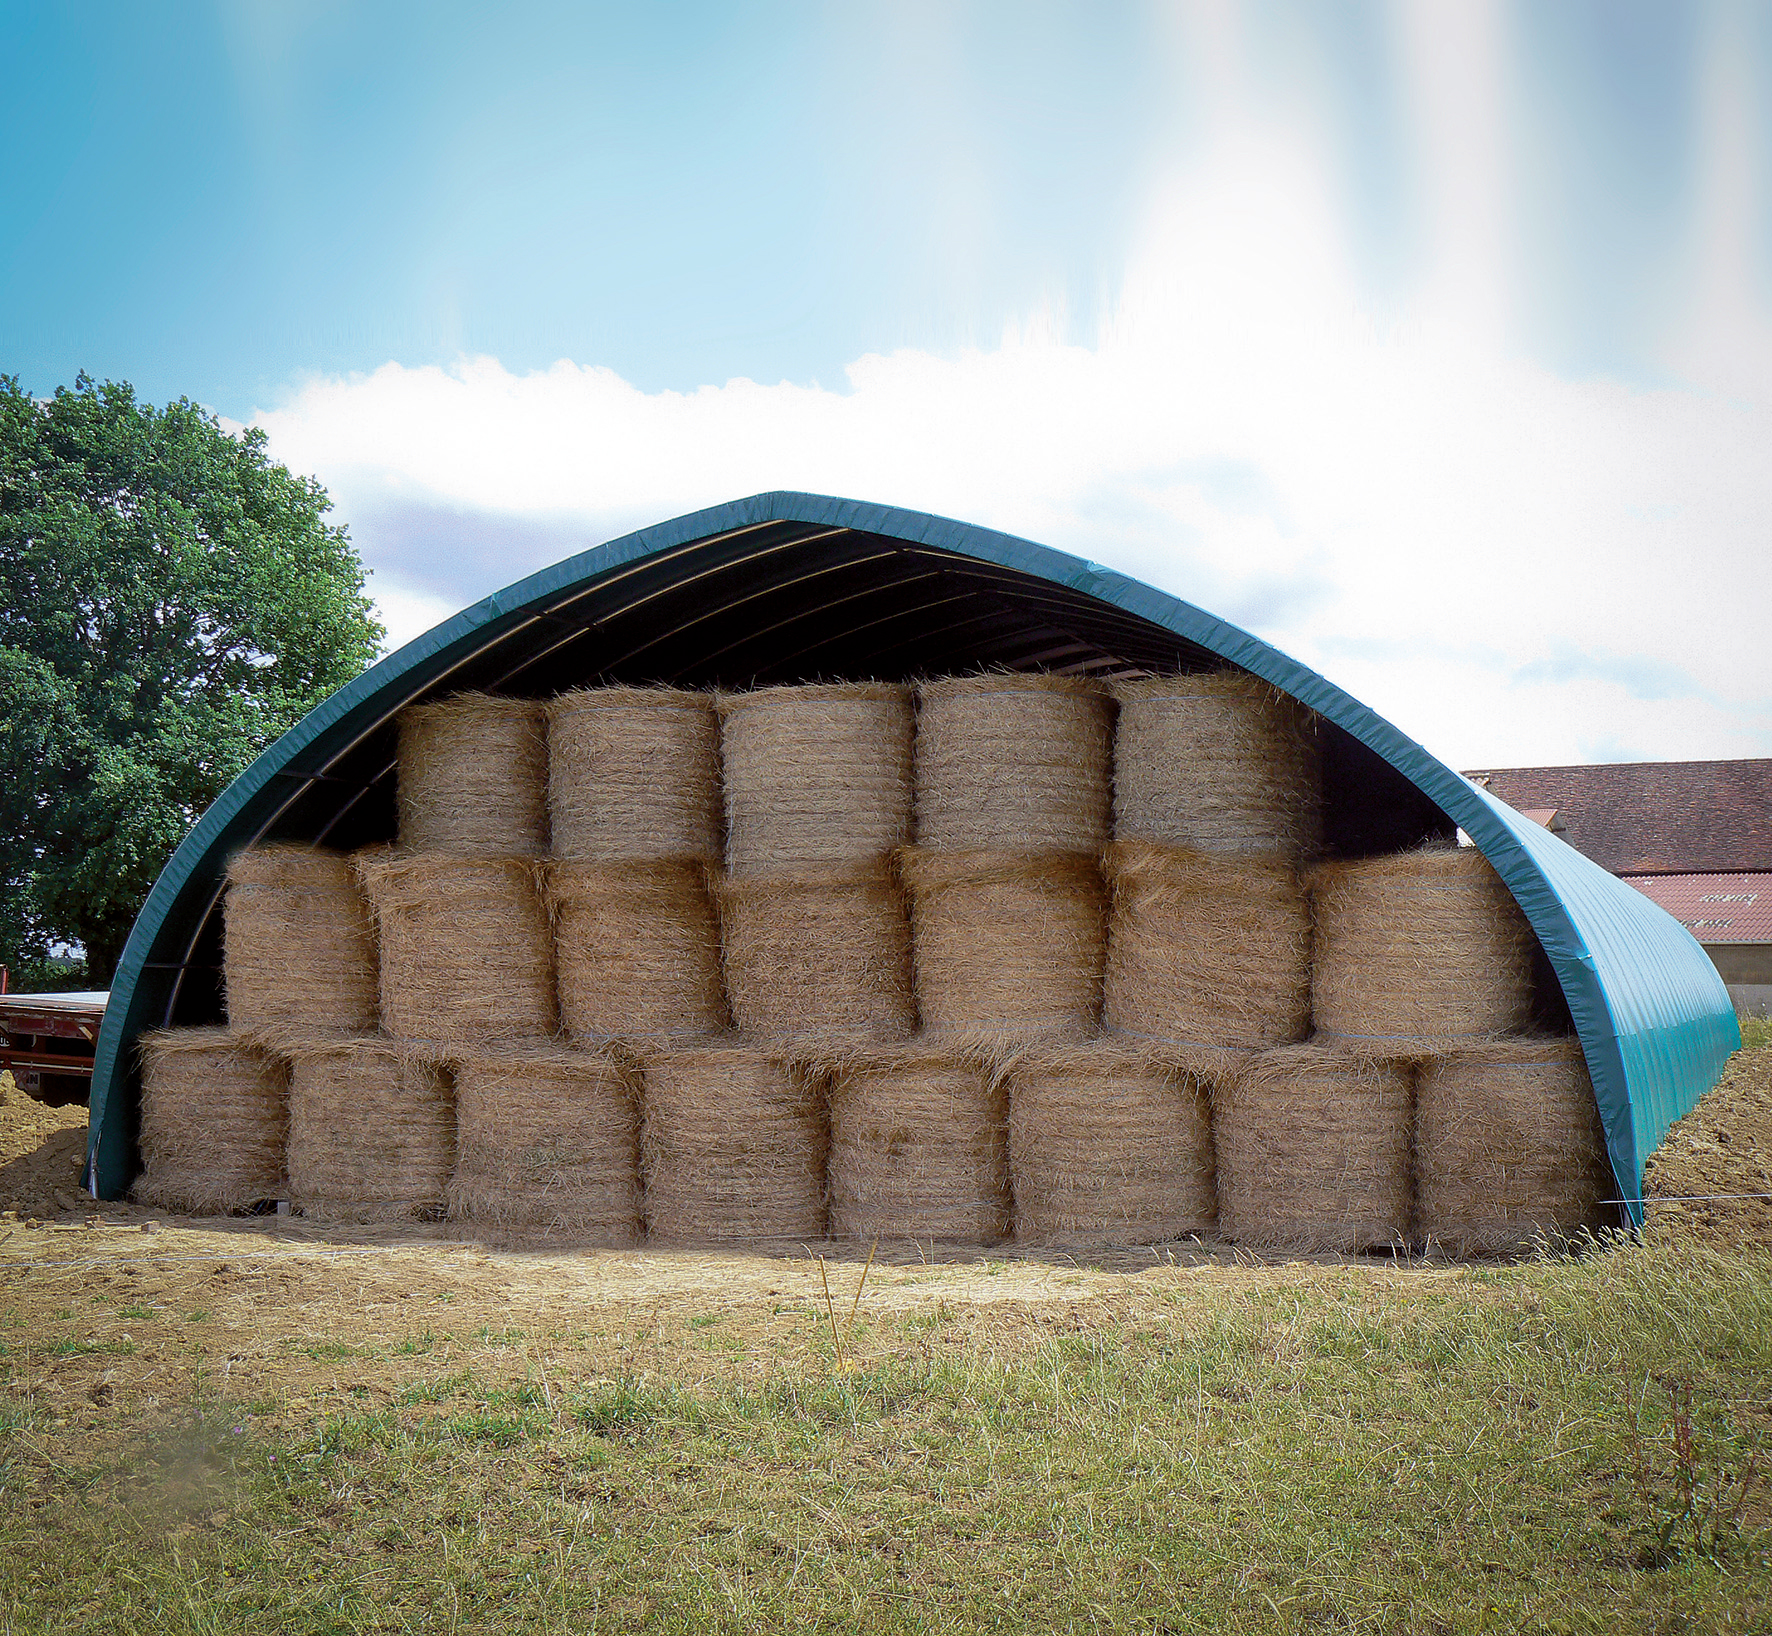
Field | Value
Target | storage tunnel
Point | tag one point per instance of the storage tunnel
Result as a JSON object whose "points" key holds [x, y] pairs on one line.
{"points": [[786, 587]]}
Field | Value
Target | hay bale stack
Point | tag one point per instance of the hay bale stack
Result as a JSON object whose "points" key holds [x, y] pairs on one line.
{"points": [[466, 952], [637, 948], [299, 949], [1014, 763], [371, 1130], [824, 952], [1418, 951], [732, 1146], [1313, 1151], [1108, 1144], [1007, 942], [815, 775], [634, 772], [1508, 1145], [919, 1146], [473, 777], [1206, 948], [1217, 762], [214, 1112], [547, 1139]]}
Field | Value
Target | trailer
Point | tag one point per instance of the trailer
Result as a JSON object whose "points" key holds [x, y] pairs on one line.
{"points": [[47, 1042]]}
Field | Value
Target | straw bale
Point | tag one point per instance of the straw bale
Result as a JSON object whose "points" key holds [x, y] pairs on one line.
{"points": [[732, 1145], [815, 775], [1007, 942], [1108, 1145], [820, 952], [473, 776], [214, 1111], [637, 948], [1418, 950], [634, 772], [1313, 1151], [466, 952], [371, 1130], [919, 1146], [299, 946], [1206, 948], [1218, 762], [1014, 763], [547, 1139], [1508, 1145]]}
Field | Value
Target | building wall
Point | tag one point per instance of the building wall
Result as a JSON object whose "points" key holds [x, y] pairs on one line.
{"points": [[1739, 963]]}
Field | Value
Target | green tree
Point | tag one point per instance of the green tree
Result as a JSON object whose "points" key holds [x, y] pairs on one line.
{"points": [[170, 601]]}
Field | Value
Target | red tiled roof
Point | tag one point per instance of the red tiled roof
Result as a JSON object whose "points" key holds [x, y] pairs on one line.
{"points": [[1652, 817], [1714, 908]]}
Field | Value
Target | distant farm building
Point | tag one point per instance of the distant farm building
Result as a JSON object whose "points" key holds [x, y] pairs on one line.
{"points": [[1695, 836]]}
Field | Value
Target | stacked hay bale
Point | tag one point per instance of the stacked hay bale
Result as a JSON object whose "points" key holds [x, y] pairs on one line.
{"points": [[634, 807], [818, 798], [214, 1111], [1217, 804], [1014, 774]]}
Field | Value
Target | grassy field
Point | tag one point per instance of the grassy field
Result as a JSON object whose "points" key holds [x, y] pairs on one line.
{"points": [[252, 1426]]}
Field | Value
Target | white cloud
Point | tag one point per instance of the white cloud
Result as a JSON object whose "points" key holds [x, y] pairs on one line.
{"points": [[1513, 566]]}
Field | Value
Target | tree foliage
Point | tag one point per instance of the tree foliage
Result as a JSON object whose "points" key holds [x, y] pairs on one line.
{"points": [[170, 602]]}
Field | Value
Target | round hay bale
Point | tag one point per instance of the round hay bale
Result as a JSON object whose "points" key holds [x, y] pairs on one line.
{"points": [[214, 1113], [820, 952], [1418, 950], [547, 1139], [1218, 762], [815, 775], [1313, 1151], [637, 949], [1014, 763], [732, 1146], [466, 952], [1108, 1145], [634, 772], [473, 777], [1508, 1145], [1007, 942], [299, 949], [919, 1146], [1205, 948], [371, 1130]]}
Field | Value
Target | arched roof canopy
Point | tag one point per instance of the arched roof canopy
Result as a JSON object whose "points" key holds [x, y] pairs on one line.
{"points": [[788, 587]]}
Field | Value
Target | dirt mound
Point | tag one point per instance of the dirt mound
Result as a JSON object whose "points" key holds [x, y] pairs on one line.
{"points": [[42, 1151], [1724, 1145]]}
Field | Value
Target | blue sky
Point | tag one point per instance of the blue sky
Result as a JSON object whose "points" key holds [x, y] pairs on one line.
{"points": [[1320, 314]]}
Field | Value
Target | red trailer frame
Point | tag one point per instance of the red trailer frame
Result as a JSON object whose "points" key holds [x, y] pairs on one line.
{"points": [[47, 1042]]}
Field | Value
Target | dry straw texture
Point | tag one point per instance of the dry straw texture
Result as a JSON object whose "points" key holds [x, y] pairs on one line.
{"points": [[466, 952], [1206, 948], [1013, 763], [1108, 1145], [300, 948], [1507, 1145], [732, 1146], [824, 952], [637, 949], [547, 1139], [1007, 942], [1219, 762], [815, 775], [1313, 1151], [213, 1117], [371, 1130], [634, 772], [919, 1147], [473, 775], [1417, 950]]}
